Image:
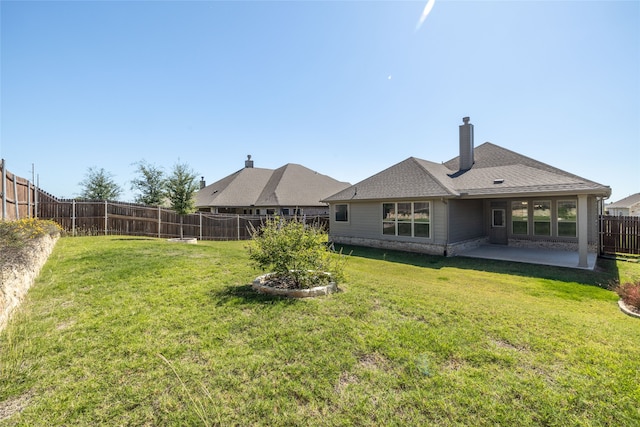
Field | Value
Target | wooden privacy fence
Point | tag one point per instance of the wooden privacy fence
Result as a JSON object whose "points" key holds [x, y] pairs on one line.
{"points": [[116, 218], [19, 195], [620, 235]]}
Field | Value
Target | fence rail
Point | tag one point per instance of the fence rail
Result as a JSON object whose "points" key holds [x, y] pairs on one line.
{"points": [[116, 218], [620, 235]]}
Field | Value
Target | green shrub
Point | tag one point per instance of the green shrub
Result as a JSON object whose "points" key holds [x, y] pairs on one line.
{"points": [[17, 233], [295, 253], [630, 294], [16, 237]]}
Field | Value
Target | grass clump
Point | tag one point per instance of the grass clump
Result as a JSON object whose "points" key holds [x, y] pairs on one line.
{"points": [[296, 253]]}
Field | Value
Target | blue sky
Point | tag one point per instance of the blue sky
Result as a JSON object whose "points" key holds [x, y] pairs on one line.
{"points": [[346, 88]]}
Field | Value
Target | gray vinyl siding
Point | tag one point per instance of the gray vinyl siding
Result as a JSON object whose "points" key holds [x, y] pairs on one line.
{"points": [[466, 219], [594, 226], [365, 221]]}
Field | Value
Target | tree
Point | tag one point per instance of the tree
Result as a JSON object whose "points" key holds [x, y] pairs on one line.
{"points": [[181, 188], [150, 184], [98, 184]]}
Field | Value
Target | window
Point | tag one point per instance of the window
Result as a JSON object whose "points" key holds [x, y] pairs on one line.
{"points": [[285, 211], [542, 218], [498, 218], [342, 213], [519, 217], [271, 211], [567, 218], [411, 219]]}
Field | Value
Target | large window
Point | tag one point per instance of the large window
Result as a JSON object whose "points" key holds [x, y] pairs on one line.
{"points": [[542, 217], [406, 219], [342, 213], [520, 217], [567, 218]]}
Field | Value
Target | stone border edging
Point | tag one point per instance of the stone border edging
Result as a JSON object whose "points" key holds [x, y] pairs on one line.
{"points": [[293, 293], [626, 310]]}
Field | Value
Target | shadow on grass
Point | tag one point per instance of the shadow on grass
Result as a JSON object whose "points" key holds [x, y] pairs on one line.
{"points": [[605, 273], [245, 294]]}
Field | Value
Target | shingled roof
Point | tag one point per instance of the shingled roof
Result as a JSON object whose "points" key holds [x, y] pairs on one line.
{"points": [[627, 202], [289, 185], [496, 172]]}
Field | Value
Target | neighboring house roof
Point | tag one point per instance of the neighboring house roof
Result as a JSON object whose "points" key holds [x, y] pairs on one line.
{"points": [[627, 202], [496, 172], [289, 185]]}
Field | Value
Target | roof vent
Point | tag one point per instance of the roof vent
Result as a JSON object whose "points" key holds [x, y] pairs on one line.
{"points": [[498, 180]]}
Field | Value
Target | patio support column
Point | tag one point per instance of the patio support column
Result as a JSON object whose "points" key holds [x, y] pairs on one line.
{"points": [[583, 231]]}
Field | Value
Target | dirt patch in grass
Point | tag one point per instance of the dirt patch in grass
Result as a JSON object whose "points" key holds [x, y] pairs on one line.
{"points": [[11, 407]]}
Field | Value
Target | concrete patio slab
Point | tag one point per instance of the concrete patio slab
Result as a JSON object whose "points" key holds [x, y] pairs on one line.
{"points": [[530, 256]]}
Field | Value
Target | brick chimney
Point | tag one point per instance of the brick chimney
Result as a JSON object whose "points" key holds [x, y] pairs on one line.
{"points": [[466, 145], [202, 182], [248, 163]]}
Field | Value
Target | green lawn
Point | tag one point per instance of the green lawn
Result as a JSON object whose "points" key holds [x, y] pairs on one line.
{"points": [[126, 331]]}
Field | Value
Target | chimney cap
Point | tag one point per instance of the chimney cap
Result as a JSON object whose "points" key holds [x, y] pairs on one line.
{"points": [[465, 120]]}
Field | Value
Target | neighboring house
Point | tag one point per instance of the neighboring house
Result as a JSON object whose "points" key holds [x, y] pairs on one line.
{"points": [[289, 190], [629, 206], [487, 194]]}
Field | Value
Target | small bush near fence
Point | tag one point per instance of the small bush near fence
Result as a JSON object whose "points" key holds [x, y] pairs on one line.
{"points": [[630, 294]]}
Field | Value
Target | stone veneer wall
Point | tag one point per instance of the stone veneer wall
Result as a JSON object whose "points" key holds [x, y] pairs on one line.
{"points": [[551, 244], [454, 249], [423, 248], [15, 280]]}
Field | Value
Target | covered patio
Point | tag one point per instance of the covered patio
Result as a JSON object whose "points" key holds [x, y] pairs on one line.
{"points": [[557, 258]]}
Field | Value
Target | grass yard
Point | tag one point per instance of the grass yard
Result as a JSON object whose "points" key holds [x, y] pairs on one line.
{"points": [[128, 331]]}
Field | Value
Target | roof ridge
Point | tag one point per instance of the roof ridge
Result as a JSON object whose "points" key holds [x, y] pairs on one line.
{"points": [[445, 186]]}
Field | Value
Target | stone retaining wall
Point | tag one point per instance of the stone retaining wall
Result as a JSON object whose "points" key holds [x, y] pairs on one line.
{"points": [[16, 279]]}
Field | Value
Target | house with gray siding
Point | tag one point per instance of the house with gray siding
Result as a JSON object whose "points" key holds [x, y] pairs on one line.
{"points": [[289, 190], [485, 195]]}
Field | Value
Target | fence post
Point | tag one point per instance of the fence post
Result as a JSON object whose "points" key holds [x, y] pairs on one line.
{"points": [[3, 165], [15, 196], [28, 199], [159, 220], [238, 217], [200, 213], [106, 218], [36, 197], [73, 217]]}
